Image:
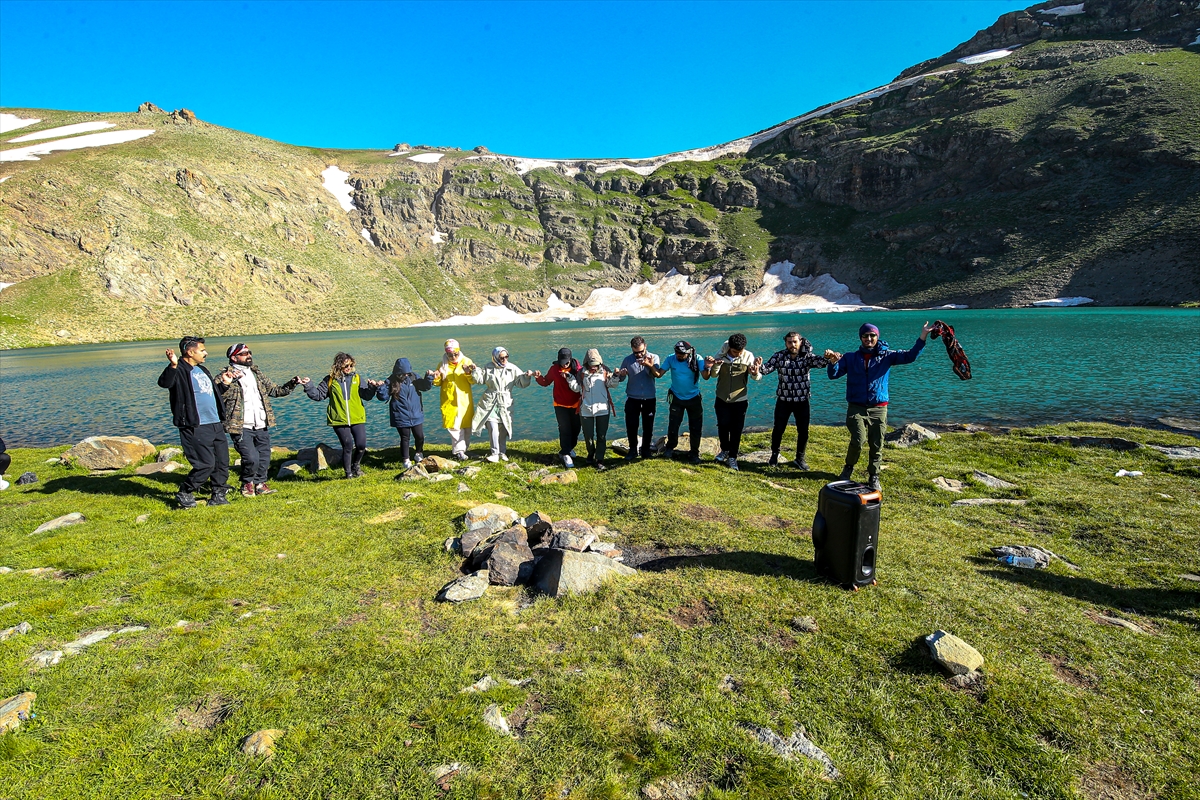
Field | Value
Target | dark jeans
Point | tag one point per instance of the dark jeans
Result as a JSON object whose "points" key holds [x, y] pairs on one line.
{"points": [[254, 446], [207, 450], [731, 419], [416, 433], [643, 409], [568, 429], [5, 462], [595, 430], [784, 411], [695, 415], [866, 424], [354, 444]]}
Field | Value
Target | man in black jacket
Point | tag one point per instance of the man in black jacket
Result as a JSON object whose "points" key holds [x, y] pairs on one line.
{"points": [[197, 410]]}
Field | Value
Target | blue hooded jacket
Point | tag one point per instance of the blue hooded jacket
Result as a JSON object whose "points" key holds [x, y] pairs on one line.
{"points": [[866, 371], [405, 407]]}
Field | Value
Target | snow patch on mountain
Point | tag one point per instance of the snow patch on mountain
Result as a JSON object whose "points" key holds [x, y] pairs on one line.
{"points": [[31, 152], [10, 122], [64, 130], [334, 181], [1063, 11], [983, 58]]}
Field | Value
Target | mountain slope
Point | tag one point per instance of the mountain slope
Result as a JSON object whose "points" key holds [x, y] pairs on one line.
{"points": [[1067, 166]]}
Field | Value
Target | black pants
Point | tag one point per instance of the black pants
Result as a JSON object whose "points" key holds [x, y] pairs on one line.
{"points": [[784, 411], [568, 429], [695, 415], [5, 462], [207, 450], [595, 432], [415, 433], [254, 446], [643, 409], [731, 419], [354, 444]]}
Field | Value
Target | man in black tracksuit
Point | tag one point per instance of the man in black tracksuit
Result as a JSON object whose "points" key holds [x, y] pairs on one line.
{"points": [[197, 410]]}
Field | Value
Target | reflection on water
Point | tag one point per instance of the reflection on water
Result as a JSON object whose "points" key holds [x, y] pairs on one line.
{"points": [[1029, 365]]}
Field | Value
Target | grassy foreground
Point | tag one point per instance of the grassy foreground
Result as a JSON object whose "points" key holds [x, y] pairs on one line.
{"points": [[344, 648]]}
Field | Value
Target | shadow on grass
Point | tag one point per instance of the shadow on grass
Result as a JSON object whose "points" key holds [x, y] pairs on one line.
{"points": [[745, 561], [1146, 601], [915, 659], [119, 485]]}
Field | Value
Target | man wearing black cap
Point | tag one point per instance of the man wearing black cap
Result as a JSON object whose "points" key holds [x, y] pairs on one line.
{"points": [[200, 416], [249, 418], [683, 396], [566, 403]]}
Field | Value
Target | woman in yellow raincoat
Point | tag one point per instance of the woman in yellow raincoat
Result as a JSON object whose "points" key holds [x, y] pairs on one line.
{"points": [[458, 407]]}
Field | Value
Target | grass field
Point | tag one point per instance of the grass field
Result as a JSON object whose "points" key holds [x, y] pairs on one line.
{"points": [[312, 611]]}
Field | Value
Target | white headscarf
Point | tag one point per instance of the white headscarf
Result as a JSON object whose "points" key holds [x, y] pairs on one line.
{"points": [[496, 351]]}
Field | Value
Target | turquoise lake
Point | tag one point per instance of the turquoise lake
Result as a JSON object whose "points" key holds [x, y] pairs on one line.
{"points": [[1125, 365]]}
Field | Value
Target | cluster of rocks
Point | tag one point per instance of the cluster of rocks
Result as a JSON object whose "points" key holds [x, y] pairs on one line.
{"points": [[500, 547], [909, 435], [435, 469]]}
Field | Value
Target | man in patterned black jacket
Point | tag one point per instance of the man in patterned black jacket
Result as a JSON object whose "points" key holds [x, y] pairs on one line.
{"points": [[792, 396]]}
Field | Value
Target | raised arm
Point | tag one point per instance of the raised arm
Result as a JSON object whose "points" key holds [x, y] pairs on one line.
{"points": [[279, 390]]}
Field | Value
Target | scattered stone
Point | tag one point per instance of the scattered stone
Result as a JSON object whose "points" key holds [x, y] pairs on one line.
{"points": [[792, 747], [757, 457], [538, 474], [438, 477], [387, 516], [514, 467], [289, 469], [560, 478], [509, 564], [671, 789], [130, 629], [1187, 576], [805, 624], [414, 473], [482, 685], [966, 681], [439, 464], [46, 658], [170, 452], [462, 487], [778, 486], [728, 684], [410, 496], [469, 472], [73, 648], [988, 501], [15, 710], [1181, 423], [74, 518], [324, 456], [911, 434], [502, 496], [992, 481], [1128, 473], [952, 653], [53, 460], [484, 520], [948, 484], [1111, 442], [443, 775], [155, 467], [563, 572], [26, 479], [42, 572], [452, 545], [571, 534], [13, 603], [142, 518], [687, 471], [109, 452], [16, 630], [1117, 622], [5, 571], [261, 743], [496, 721], [468, 587]]}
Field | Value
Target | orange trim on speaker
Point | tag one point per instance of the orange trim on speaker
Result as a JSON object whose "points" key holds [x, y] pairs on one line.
{"points": [[869, 496]]}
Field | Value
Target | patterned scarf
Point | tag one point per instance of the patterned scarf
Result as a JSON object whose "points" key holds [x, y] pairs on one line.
{"points": [[958, 359]]}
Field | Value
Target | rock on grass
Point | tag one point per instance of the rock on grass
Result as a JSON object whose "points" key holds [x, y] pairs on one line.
{"points": [[794, 746], [15, 710], [468, 587], [953, 654], [261, 744], [74, 518]]}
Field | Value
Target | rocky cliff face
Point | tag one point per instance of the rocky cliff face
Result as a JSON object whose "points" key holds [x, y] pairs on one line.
{"points": [[1069, 166]]}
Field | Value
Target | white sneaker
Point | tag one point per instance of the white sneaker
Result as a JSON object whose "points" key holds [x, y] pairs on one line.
{"points": [[493, 458], [567, 462], [3, 484], [407, 463], [504, 456], [732, 463], [720, 457]]}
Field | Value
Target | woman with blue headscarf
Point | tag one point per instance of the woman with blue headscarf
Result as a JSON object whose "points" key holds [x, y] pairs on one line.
{"points": [[495, 407]]}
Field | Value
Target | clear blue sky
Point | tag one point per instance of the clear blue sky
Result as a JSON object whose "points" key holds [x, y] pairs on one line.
{"points": [[534, 79]]}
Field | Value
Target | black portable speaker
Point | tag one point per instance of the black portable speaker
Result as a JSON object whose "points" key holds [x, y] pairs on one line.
{"points": [[845, 533]]}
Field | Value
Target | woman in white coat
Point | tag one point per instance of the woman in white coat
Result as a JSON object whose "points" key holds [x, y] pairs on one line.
{"points": [[593, 382], [495, 407]]}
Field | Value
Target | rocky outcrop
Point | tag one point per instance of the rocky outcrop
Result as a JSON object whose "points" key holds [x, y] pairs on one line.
{"points": [[109, 452]]}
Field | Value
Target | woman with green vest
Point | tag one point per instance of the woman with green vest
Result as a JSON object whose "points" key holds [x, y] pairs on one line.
{"points": [[346, 414]]}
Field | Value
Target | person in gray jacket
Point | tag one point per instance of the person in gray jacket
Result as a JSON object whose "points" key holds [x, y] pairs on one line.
{"points": [[640, 402], [249, 416], [595, 407]]}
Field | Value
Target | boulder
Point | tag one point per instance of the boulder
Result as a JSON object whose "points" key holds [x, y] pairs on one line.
{"points": [[563, 572], [414, 473], [709, 445], [324, 456], [757, 457], [560, 478], [571, 534], [26, 479], [15, 710], [74, 518], [484, 520], [948, 484], [439, 464], [170, 452], [991, 480], [261, 744], [468, 587], [952, 653], [148, 107], [509, 564], [537, 524], [469, 472], [911, 434], [290, 469], [1169, 452], [109, 452], [481, 549], [155, 467]]}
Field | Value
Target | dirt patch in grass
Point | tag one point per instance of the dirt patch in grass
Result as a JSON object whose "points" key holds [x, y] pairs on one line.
{"points": [[1071, 675], [204, 714], [770, 522], [353, 619], [658, 557], [523, 714], [701, 513], [694, 614], [1110, 782]]}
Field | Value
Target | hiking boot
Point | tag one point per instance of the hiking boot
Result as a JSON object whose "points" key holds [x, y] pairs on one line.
{"points": [[773, 461], [720, 457], [732, 464], [248, 490], [847, 474], [418, 457], [356, 470], [262, 488], [185, 500], [801, 464], [694, 460], [219, 496], [669, 454], [631, 456], [874, 485]]}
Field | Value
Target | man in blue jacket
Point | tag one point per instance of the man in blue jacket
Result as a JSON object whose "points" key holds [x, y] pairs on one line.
{"points": [[866, 372]]}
